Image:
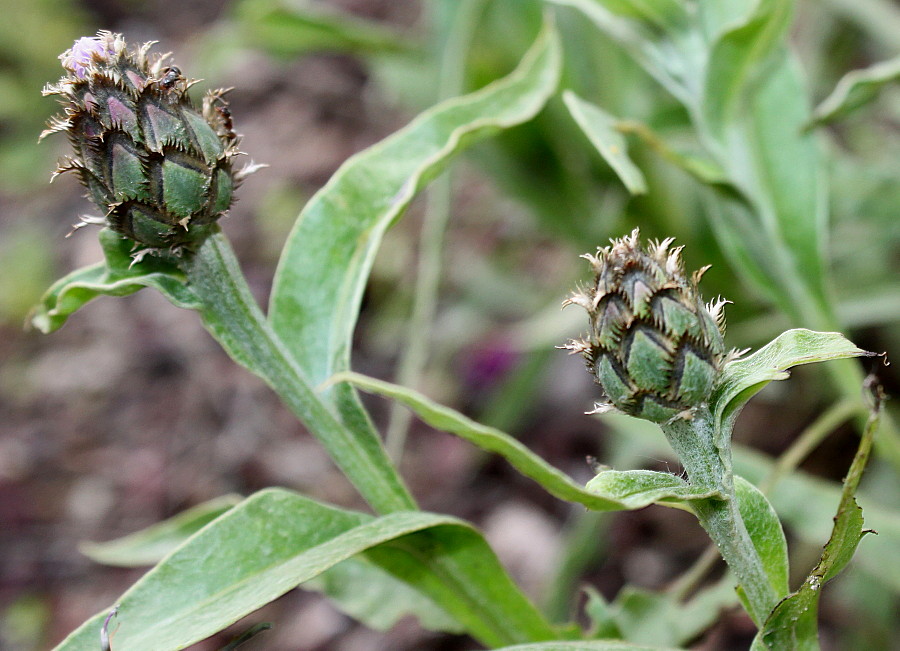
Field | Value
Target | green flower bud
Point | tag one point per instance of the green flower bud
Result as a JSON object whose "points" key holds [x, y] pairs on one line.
{"points": [[654, 347], [158, 169]]}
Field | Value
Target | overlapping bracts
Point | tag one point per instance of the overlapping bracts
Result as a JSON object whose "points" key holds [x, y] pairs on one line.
{"points": [[653, 346], [159, 168]]}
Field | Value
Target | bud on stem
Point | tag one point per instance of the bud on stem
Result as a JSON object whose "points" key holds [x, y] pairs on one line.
{"points": [[657, 351], [159, 170], [654, 347]]}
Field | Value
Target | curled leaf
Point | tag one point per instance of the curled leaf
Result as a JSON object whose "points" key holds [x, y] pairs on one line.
{"points": [[743, 378], [118, 275], [856, 89]]}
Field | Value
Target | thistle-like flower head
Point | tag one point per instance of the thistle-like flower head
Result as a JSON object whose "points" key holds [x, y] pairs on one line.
{"points": [[159, 169], [654, 347]]}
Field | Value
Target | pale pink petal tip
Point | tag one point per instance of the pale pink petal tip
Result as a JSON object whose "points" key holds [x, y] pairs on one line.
{"points": [[79, 58]]}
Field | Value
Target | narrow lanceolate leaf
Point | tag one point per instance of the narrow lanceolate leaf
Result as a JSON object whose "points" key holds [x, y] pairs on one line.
{"points": [[357, 586], [806, 505], [290, 30], [600, 128], [765, 531], [118, 275], [378, 599], [149, 546], [777, 241], [701, 166], [793, 624], [635, 489], [738, 56], [328, 256], [741, 379], [653, 33], [663, 618], [611, 490], [276, 540], [856, 89], [784, 175]]}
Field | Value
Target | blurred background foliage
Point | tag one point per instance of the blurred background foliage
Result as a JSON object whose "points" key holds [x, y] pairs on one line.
{"points": [[500, 234]]}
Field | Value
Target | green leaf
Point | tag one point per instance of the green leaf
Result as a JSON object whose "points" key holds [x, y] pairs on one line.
{"points": [[378, 599], [357, 586], [750, 118], [648, 617], [600, 128], [701, 167], [765, 531], [778, 243], [805, 504], [635, 489], [599, 645], [230, 313], [327, 259], [602, 616], [119, 275], [737, 59], [854, 90], [610, 491], [743, 378], [277, 539], [780, 168], [659, 41], [150, 545], [793, 624], [288, 30]]}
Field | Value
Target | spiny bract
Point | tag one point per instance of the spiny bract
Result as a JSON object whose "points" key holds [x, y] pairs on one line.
{"points": [[159, 169], [654, 347]]}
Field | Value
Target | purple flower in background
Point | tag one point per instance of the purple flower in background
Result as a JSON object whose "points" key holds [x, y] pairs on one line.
{"points": [[488, 364]]}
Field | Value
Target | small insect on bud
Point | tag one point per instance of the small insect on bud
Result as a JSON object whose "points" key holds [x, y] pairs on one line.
{"points": [[159, 170], [654, 347], [171, 76]]}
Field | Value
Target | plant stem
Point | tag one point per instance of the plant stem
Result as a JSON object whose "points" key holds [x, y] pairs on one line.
{"points": [[584, 545], [809, 439], [708, 466], [434, 225], [233, 317], [788, 461], [688, 582]]}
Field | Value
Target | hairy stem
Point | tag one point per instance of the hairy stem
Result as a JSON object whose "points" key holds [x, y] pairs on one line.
{"points": [[233, 317], [688, 582], [709, 466]]}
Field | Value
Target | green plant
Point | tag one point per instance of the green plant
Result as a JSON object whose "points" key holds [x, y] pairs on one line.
{"points": [[223, 561]]}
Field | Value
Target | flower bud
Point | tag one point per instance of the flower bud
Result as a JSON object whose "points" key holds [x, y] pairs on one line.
{"points": [[654, 347], [158, 169]]}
